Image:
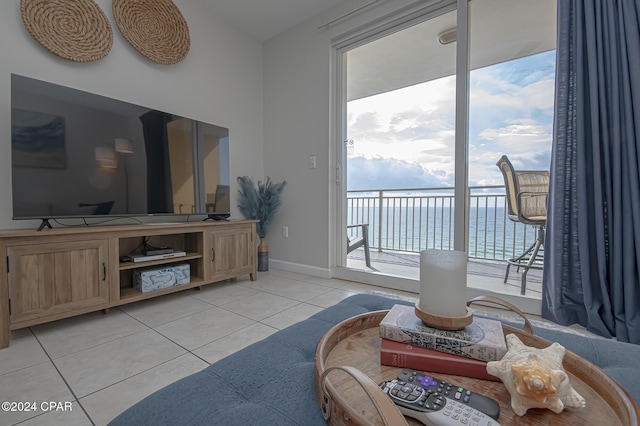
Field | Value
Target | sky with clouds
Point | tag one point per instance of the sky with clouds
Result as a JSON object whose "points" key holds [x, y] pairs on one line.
{"points": [[405, 138]]}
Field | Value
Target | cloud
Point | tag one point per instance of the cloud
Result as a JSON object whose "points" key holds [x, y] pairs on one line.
{"points": [[524, 134], [364, 122], [387, 173], [408, 135]]}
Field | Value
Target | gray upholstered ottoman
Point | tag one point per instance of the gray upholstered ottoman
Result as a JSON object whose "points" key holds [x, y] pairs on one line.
{"points": [[272, 381]]}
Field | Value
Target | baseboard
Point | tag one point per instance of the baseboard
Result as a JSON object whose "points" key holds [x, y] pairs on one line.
{"points": [[299, 268]]}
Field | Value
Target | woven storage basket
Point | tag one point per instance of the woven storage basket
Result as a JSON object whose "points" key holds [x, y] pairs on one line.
{"points": [[155, 28], [77, 30]]}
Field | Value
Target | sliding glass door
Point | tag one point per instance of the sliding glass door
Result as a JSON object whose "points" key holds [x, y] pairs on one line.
{"points": [[417, 107], [511, 98], [398, 152]]}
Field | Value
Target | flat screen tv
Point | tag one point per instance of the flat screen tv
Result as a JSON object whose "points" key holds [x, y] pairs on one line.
{"points": [[78, 154]]}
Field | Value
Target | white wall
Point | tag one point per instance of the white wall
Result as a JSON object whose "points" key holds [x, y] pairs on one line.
{"points": [[297, 102], [219, 82]]}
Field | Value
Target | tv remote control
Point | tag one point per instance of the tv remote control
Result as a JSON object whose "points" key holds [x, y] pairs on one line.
{"points": [[432, 408], [487, 405]]}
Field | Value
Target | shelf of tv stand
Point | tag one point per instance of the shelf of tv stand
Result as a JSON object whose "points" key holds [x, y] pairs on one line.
{"points": [[130, 294], [136, 265]]}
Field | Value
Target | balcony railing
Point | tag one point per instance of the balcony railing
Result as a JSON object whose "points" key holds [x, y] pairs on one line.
{"points": [[415, 219]]}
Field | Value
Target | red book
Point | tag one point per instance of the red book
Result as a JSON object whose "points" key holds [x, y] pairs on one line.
{"points": [[397, 354]]}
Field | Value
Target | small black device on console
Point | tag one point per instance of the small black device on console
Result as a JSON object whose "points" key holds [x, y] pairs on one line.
{"points": [[157, 251]]}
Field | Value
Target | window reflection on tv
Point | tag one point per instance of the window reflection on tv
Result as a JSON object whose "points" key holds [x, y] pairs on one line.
{"points": [[77, 154]]}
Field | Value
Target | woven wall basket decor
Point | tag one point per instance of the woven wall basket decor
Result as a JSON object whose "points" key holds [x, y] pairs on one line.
{"points": [[155, 28], [77, 30]]}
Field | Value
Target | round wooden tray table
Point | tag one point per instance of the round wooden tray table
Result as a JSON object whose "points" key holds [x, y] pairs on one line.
{"points": [[356, 342]]}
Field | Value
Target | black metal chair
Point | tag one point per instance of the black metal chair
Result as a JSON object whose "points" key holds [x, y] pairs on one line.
{"points": [[526, 194], [361, 240]]}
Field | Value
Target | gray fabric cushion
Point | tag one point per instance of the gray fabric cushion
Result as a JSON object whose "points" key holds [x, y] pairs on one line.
{"points": [[272, 381]]}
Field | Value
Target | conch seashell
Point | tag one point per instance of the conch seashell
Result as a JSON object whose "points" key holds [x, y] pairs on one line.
{"points": [[535, 377]]}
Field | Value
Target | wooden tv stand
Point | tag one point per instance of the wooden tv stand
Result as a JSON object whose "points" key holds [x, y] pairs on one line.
{"points": [[63, 272]]}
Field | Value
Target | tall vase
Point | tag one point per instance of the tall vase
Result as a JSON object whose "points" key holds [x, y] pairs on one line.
{"points": [[263, 255]]}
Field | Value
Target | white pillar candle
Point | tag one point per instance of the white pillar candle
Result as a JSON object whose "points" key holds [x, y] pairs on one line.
{"points": [[443, 282]]}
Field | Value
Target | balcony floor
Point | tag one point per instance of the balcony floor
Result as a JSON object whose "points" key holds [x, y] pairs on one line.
{"points": [[482, 275]]}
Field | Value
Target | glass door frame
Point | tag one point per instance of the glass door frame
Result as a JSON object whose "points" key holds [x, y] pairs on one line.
{"points": [[337, 203]]}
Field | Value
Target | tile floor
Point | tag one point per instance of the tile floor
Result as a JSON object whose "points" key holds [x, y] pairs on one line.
{"points": [[94, 366], [97, 365]]}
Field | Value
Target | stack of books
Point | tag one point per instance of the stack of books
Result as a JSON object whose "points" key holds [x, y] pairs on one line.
{"points": [[408, 343]]}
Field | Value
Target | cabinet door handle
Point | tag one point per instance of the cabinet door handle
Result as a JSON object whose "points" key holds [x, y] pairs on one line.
{"points": [[104, 271], [213, 255]]}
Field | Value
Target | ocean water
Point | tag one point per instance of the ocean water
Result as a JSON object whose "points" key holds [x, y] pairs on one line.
{"points": [[414, 228]]}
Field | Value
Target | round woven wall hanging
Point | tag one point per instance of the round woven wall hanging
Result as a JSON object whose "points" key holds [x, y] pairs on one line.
{"points": [[155, 28], [77, 30]]}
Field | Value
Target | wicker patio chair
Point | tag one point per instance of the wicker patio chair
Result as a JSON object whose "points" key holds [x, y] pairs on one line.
{"points": [[526, 194]]}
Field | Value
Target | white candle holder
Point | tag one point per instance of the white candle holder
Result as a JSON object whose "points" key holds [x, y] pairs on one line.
{"points": [[443, 290]]}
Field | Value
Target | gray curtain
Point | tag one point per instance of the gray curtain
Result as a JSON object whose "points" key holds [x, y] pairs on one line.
{"points": [[592, 249]]}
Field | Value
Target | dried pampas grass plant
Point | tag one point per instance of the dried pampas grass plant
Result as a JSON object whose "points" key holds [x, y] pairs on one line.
{"points": [[259, 201]]}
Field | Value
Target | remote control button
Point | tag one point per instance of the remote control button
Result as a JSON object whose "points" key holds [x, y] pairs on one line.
{"points": [[427, 381], [466, 399]]}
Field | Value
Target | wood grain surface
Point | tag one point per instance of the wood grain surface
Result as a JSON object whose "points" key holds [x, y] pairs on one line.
{"points": [[356, 342]]}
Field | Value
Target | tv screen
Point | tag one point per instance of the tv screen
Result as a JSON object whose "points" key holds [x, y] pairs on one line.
{"points": [[78, 154]]}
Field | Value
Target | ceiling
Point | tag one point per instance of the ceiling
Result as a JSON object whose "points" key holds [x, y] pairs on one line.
{"points": [[500, 30], [265, 19]]}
